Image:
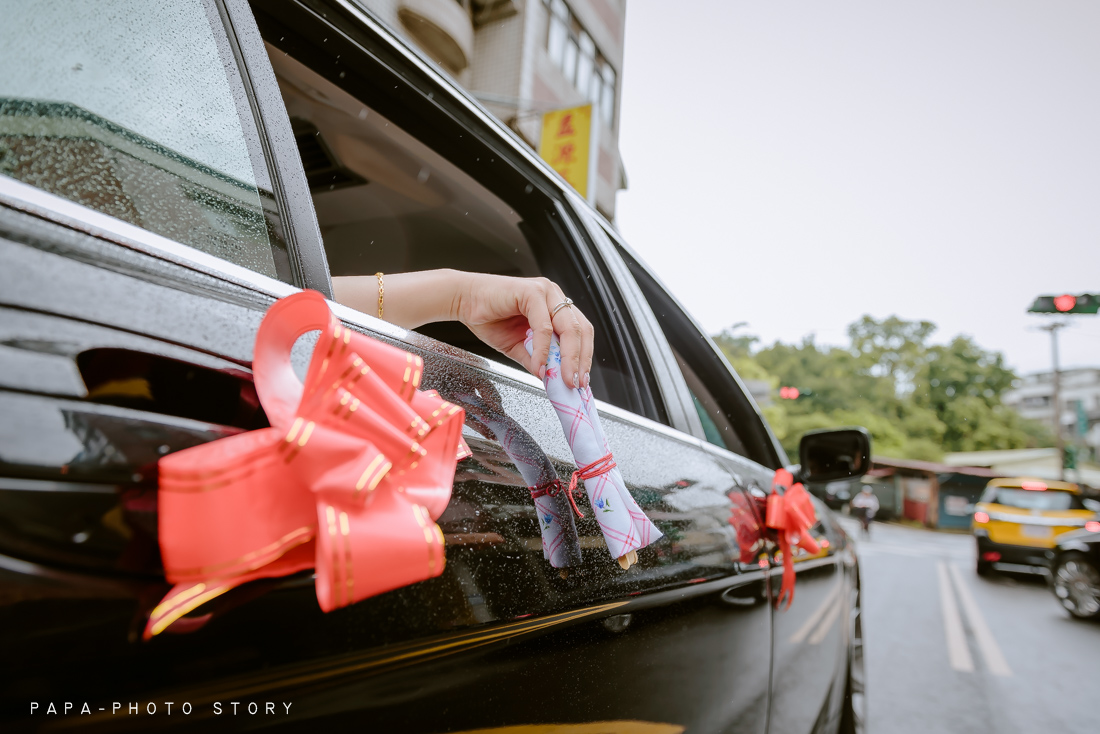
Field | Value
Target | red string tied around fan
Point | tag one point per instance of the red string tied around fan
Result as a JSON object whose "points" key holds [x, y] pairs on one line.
{"points": [[790, 512], [348, 480], [552, 489], [591, 471]]}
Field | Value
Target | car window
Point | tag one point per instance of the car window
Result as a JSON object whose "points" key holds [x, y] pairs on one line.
{"points": [[136, 110], [397, 191], [716, 424], [1026, 499], [729, 418]]}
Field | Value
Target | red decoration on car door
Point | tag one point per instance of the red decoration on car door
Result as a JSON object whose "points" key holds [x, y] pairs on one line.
{"points": [[349, 479], [791, 513]]}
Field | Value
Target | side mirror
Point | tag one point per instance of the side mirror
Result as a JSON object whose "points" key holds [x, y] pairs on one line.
{"points": [[834, 453]]}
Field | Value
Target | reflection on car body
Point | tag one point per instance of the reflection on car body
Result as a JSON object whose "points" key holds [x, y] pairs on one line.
{"points": [[138, 260]]}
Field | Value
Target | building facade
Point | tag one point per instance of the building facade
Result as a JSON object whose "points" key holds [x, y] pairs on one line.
{"points": [[1079, 413], [522, 58]]}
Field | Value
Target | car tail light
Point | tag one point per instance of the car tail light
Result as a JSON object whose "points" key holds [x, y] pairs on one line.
{"points": [[991, 556], [1034, 486], [981, 517], [1093, 526]]}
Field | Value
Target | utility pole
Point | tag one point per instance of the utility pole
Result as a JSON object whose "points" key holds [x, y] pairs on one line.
{"points": [[1053, 329], [1067, 303]]}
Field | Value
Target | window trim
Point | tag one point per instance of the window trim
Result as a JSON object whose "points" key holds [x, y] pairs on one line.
{"points": [[288, 178], [655, 349], [19, 196], [760, 442]]}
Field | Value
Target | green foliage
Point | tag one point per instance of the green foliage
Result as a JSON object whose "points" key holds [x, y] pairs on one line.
{"points": [[917, 400]]}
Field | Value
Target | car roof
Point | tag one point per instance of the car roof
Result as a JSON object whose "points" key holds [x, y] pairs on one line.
{"points": [[1036, 484]]}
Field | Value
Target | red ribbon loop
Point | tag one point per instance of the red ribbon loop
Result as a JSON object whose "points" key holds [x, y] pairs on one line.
{"points": [[552, 489], [790, 511], [349, 479]]}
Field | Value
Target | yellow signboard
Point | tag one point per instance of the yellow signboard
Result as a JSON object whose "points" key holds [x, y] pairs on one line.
{"points": [[566, 144]]}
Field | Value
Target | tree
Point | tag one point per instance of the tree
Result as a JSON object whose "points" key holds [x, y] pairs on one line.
{"points": [[917, 400], [964, 384], [894, 347]]}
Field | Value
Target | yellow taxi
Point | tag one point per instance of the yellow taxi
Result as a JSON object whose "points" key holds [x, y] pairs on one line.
{"points": [[1017, 519]]}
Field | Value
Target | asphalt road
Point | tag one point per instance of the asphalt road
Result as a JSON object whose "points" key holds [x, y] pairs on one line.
{"points": [[949, 651]]}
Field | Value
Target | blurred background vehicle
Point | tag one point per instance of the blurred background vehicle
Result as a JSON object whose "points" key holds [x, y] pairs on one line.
{"points": [[1075, 571], [1017, 520]]}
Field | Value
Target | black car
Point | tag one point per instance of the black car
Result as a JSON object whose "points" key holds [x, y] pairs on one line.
{"points": [[1075, 571], [166, 174]]}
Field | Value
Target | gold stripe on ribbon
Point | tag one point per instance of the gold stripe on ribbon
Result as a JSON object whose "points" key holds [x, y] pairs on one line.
{"points": [[345, 529], [280, 546], [330, 515]]}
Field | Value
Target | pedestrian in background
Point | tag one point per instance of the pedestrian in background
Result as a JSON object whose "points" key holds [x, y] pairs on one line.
{"points": [[865, 505]]}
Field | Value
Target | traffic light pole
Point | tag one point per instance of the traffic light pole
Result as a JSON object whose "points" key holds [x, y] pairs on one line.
{"points": [[1053, 329]]}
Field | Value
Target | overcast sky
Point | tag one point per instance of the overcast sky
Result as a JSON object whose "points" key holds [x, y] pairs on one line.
{"points": [[796, 165]]}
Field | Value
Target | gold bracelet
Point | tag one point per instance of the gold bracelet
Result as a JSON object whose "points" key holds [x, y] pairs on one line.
{"points": [[381, 293]]}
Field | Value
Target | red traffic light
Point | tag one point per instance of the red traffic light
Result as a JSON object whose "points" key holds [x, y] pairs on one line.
{"points": [[789, 393], [1065, 302]]}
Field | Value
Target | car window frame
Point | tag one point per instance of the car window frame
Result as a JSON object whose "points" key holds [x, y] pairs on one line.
{"points": [[288, 178], [421, 88], [658, 354], [762, 447]]}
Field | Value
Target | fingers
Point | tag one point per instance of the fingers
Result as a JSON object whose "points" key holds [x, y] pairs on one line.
{"points": [[542, 329], [575, 335], [587, 338]]}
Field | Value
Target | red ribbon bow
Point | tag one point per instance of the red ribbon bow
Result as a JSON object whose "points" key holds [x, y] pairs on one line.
{"points": [[790, 512], [349, 479]]}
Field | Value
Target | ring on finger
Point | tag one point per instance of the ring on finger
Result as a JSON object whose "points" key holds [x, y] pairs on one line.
{"points": [[567, 303]]}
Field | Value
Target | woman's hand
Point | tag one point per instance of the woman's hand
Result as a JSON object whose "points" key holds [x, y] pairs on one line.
{"points": [[497, 308]]}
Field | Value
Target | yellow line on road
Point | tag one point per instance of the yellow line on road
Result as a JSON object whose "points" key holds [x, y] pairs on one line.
{"points": [[957, 651], [991, 652]]}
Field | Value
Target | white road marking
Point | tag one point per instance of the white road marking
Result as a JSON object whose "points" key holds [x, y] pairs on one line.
{"points": [[994, 659], [957, 651], [915, 551], [826, 624], [815, 616]]}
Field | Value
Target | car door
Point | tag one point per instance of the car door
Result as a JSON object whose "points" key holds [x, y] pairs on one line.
{"points": [[126, 340], [810, 637]]}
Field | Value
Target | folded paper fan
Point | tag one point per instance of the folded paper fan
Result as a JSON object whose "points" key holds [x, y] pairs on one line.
{"points": [[560, 544], [624, 526]]}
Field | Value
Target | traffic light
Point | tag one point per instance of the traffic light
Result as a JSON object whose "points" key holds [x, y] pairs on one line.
{"points": [[1066, 303], [793, 393]]}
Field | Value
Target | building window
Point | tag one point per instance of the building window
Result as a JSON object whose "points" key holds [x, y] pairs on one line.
{"points": [[573, 51]]}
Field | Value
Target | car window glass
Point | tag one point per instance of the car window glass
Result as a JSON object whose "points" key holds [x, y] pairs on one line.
{"points": [[389, 200], [1026, 499], [135, 110], [716, 424]]}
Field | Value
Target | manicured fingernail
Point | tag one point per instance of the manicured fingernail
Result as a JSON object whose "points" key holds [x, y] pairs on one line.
{"points": [[584, 382], [542, 372], [576, 380]]}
